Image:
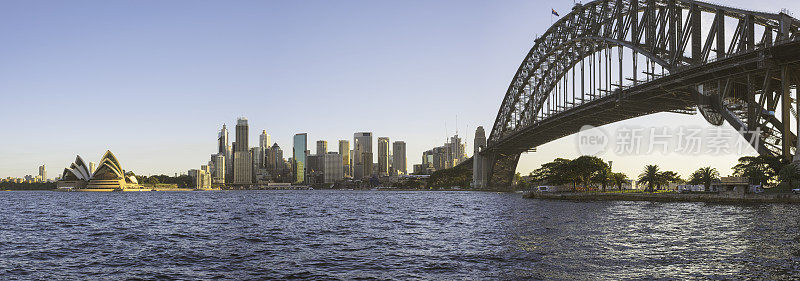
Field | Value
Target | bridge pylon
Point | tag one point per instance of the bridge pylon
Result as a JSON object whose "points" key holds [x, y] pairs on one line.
{"points": [[479, 162]]}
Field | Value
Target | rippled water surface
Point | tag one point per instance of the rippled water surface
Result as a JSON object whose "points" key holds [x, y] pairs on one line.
{"points": [[387, 235]]}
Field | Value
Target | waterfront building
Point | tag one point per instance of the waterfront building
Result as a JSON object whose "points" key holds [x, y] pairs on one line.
{"points": [[399, 166], [299, 152], [383, 157], [42, 173], [201, 178], [333, 170], [344, 150], [362, 155], [242, 162], [218, 168], [109, 176], [92, 167], [322, 147], [314, 168], [418, 169]]}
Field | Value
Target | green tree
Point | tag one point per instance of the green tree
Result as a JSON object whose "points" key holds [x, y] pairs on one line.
{"points": [[588, 169], [619, 179], [762, 169], [704, 176], [555, 172], [652, 176], [670, 176], [519, 182], [789, 177]]}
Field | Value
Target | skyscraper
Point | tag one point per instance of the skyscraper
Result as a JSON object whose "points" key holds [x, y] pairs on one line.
{"points": [[43, 173], [362, 155], [264, 141], [225, 150], [455, 151], [242, 163], [383, 156], [344, 150], [256, 155], [322, 147], [92, 166], [218, 171], [399, 158], [275, 160], [333, 170], [299, 157], [222, 140]]}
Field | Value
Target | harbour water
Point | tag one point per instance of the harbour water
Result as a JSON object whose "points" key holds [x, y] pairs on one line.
{"points": [[332, 235]]}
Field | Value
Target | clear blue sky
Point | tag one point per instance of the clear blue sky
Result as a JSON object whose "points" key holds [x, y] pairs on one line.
{"points": [[154, 80]]}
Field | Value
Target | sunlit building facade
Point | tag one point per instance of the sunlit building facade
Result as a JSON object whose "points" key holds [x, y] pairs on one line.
{"points": [[344, 150], [362, 155], [399, 158], [242, 162], [333, 170], [299, 151], [383, 156]]}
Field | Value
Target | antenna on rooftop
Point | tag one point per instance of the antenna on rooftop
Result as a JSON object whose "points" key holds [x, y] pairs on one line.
{"points": [[456, 124]]}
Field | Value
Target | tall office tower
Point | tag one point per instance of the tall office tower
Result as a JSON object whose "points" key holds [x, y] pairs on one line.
{"points": [[42, 173], [218, 171], [92, 166], [227, 151], [362, 155], [299, 156], [322, 147], [333, 170], [344, 150], [231, 171], [455, 151], [275, 159], [242, 163], [222, 140], [257, 158], [383, 156], [399, 158], [264, 141]]}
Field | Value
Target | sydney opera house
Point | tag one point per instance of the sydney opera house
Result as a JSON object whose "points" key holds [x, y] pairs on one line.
{"points": [[108, 176]]}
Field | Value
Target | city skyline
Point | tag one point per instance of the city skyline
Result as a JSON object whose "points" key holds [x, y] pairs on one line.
{"points": [[176, 91]]}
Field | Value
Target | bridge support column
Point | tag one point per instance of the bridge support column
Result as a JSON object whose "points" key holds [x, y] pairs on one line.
{"points": [[480, 171]]}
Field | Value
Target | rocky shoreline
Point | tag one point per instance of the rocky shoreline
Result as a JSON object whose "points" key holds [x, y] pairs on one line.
{"points": [[667, 197]]}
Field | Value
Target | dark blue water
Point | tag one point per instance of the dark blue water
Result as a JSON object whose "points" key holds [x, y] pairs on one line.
{"points": [[387, 235]]}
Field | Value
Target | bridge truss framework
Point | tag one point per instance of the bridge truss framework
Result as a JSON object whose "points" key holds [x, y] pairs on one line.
{"points": [[612, 60]]}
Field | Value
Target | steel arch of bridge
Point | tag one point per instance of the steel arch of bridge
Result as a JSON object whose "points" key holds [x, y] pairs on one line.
{"points": [[737, 73]]}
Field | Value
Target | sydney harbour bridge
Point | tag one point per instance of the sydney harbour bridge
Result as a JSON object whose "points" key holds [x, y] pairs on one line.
{"points": [[612, 60]]}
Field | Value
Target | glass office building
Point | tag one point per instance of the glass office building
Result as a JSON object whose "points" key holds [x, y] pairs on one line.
{"points": [[299, 157]]}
